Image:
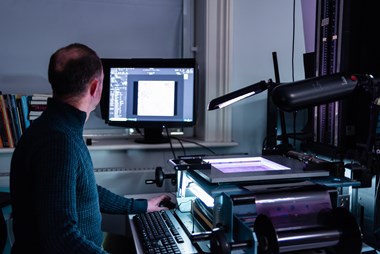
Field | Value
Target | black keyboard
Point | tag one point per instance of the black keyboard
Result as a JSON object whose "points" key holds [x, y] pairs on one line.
{"points": [[159, 232]]}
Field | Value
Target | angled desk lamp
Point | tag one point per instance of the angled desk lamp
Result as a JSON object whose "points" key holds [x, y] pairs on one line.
{"points": [[296, 95]]}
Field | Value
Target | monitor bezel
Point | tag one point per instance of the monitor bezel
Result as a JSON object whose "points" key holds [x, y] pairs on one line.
{"points": [[109, 63]]}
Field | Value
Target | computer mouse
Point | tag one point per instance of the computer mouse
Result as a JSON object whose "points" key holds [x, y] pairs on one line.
{"points": [[168, 203]]}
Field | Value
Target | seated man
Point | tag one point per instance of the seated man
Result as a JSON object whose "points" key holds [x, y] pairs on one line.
{"points": [[56, 203]]}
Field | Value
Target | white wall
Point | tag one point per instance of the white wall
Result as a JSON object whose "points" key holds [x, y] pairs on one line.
{"points": [[260, 28], [30, 31]]}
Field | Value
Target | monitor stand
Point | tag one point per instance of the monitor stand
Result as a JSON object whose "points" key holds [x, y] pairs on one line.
{"points": [[152, 136]]}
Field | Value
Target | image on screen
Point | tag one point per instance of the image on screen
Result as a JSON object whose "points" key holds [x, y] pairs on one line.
{"points": [[149, 104]]}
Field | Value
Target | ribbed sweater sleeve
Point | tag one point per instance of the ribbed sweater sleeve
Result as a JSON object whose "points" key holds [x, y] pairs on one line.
{"points": [[115, 204]]}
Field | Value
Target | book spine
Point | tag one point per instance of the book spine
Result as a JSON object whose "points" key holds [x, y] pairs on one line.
{"points": [[15, 119], [35, 113], [41, 96], [6, 122], [24, 103], [2, 131], [33, 102], [37, 107]]}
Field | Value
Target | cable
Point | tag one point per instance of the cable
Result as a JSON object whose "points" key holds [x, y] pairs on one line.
{"points": [[194, 142], [170, 142], [139, 132], [293, 42], [179, 206], [294, 128], [294, 32], [377, 189], [183, 148], [192, 215]]}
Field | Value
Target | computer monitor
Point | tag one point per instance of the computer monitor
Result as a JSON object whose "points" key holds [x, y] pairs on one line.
{"points": [[149, 93]]}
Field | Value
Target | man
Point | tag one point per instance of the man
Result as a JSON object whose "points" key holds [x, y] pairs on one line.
{"points": [[56, 203]]}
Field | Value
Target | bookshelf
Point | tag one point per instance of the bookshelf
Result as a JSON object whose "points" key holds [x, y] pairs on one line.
{"points": [[16, 113]]}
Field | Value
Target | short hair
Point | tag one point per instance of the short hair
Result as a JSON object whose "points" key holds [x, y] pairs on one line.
{"points": [[71, 68]]}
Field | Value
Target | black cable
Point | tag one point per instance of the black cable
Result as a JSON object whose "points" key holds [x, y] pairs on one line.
{"points": [[264, 144], [293, 42], [170, 142], [198, 144], [294, 32], [178, 208], [294, 128], [193, 217], [139, 132], [183, 148]]}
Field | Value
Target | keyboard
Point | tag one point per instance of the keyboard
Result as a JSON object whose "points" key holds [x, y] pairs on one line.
{"points": [[160, 232]]}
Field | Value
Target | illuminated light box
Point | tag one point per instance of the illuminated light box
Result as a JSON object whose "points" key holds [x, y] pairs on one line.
{"points": [[252, 169], [246, 164]]}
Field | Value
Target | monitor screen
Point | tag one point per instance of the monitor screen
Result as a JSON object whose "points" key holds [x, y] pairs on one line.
{"points": [[149, 93]]}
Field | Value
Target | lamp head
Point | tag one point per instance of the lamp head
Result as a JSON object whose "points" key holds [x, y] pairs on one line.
{"points": [[237, 95]]}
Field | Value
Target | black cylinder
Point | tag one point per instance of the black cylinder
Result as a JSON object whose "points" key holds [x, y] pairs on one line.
{"points": [[314, 91]]}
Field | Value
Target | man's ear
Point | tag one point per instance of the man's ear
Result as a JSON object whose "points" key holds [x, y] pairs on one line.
{"points": [[94, 85]]}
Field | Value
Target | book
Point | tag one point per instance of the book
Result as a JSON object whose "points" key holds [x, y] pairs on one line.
{"points": [[24, 108], [36, 107], [2, 131], [9, 142], [14, 117], [35, 113], [33, 117], [34, 102], [42, 96], [1, 142]]}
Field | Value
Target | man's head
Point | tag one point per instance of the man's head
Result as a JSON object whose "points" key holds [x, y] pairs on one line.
{"points": [[72, 72], [71, 68]]}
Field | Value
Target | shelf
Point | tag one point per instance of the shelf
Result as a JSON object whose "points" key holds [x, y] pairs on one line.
{"points": [[6, 150], [130, 144]]}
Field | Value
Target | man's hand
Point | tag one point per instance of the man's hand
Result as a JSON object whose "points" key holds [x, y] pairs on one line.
{"points": [[154, 203]]}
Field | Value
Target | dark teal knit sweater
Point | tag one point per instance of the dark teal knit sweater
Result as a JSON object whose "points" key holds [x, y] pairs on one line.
{"points": [[56, 203]]}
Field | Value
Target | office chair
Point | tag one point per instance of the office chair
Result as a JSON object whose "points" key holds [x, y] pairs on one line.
{"points": [[5, 200]]}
